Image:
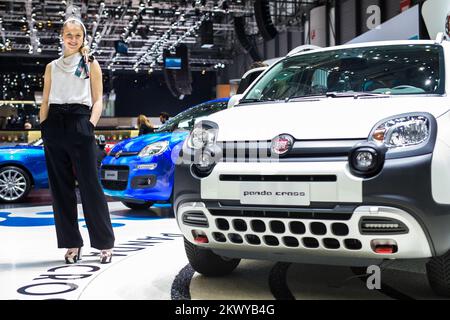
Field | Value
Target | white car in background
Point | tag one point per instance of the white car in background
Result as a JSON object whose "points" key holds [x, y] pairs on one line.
{"points": [[336, 156]]}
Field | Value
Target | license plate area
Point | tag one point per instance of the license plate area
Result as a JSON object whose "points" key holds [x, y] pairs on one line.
{"points": [[275, 193], [111, 175]]}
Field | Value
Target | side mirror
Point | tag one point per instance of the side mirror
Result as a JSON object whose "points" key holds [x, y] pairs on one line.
{"points": [[234, 100]]}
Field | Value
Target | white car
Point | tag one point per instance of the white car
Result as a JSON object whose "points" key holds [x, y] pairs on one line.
{"points": [[336, 156]]}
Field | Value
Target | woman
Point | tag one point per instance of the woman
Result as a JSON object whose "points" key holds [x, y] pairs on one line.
{"points": [[71, 106], [144, 125]]}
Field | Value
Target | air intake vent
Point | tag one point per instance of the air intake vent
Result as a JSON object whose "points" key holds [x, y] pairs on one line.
{"points": [[369, 225], [195, 219]]}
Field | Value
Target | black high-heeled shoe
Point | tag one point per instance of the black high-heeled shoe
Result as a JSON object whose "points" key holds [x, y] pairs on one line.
{"points": [[105, 256], [72, 255]]}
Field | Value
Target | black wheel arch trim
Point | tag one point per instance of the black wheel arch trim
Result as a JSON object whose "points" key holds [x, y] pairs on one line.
{"points": [[406, 184]]}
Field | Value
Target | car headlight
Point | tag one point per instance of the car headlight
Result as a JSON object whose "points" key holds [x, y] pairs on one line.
{"points": [[154, 149], [203, 135], [402, 131]]}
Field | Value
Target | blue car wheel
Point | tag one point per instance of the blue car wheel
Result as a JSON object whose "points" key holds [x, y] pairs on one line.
{"points": [[15, 184]]}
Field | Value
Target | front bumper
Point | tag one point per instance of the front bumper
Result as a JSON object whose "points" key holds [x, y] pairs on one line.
{"points": [[401, 191], [137, 185], [300, 240]]}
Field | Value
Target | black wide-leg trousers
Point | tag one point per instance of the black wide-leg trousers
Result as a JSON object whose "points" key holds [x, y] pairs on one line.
{"points": [[71, 153]]}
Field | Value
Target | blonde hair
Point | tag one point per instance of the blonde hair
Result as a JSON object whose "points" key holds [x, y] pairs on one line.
{"points": [[144, 120]]}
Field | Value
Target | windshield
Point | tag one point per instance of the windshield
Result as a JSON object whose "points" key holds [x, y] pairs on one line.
{"points": [[247, 81], [186, 119], [391, 70]]}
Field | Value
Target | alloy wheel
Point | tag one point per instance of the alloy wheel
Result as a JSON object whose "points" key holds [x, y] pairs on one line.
{"points": [[13, 185]]}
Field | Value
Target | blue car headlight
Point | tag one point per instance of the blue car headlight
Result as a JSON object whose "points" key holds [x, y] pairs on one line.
{"points": [[154, 149]]}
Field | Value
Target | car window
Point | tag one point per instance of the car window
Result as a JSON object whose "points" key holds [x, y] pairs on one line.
{"points": [[247, 81], [186, 119], [186, 124], [393, 70]]}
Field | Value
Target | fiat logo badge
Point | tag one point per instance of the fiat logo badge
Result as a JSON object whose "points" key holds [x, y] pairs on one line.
{"points": [[282, 144]]}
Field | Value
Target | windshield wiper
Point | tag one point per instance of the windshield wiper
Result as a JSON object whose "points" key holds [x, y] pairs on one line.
{"points": [[249, 100], [353, 94], [255, 100], [357, 94], [313, 96]]}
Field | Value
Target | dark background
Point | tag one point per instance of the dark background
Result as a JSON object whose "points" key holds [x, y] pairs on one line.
{"points": [[136, 93], [149, 95]]}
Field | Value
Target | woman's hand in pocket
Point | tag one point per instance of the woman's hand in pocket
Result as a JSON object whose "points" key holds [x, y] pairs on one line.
{"points": [[43, 121]]}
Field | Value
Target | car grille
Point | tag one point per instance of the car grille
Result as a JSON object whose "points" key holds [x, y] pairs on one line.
{"points": [[340, 212], [122, 177], [280, 178], [320, 226], [293, 234], [114, 185], [259, 151], [124, 153]]}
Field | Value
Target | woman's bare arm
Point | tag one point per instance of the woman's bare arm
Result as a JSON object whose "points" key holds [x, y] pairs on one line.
{"points": [[97, 92], [43, 111]]}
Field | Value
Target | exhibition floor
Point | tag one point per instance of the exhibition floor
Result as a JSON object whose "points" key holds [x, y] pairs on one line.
{"points": [[149, 263]]}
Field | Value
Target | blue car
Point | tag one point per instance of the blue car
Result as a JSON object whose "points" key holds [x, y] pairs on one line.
{"points": [[139, 171], [21, 167]]}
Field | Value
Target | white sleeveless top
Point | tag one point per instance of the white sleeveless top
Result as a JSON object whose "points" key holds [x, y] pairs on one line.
{"points": [[65, 86]]}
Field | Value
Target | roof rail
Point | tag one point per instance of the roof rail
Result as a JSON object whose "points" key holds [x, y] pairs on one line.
{"points": [[305, 47], [440, 38]]}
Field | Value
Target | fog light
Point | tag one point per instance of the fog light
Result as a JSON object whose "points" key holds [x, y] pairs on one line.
{"points": [[384, 249], [364, 159], [199, 236], [203, 165], [384, 246]]}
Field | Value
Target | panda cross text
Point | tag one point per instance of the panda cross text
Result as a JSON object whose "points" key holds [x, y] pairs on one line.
{"points": [[278, 193]]}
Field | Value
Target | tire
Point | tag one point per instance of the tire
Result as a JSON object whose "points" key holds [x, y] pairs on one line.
{"points": [[137, 206], [208, 263], [438, 273], [15, 184]]}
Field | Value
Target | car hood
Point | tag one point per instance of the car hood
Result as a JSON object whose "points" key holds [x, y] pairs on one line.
{"points": [[327, 118], [138, 143], [18, 148]]}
